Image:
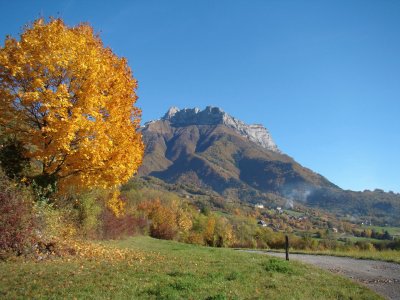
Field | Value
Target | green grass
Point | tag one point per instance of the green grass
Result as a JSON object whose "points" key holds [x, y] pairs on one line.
{"points": [[364, 239], [175, 271], [275, 265], [293, 213], [391, 230]]}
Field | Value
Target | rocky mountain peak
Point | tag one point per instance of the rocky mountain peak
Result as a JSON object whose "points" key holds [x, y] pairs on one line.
{"points": [[170, 113], [216, 116]]}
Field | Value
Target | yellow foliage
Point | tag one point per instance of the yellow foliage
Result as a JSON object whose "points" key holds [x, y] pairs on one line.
{"points": [[195, 238], [209, 231], [115, 204], [78, 249], [71, 102], [184, 221], [55, 222], [226, 231]]}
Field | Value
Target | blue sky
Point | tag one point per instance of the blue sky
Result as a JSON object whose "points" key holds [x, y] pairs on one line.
{"points": [[322, 76]]}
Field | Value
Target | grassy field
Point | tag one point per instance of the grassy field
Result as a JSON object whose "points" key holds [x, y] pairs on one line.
{"points": [[293, 213], [170, 270], [391, 230], [364, 239]]}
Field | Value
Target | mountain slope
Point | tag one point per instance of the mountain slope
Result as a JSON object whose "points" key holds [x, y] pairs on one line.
{"points": [[213, 150], [202, 148]]}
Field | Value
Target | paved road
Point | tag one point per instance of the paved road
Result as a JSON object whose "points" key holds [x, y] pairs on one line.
{"points": [[382, 277]]}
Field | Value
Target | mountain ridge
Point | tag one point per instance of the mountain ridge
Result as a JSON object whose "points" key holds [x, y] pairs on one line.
{"points": [[220, 146], [216, 116]]}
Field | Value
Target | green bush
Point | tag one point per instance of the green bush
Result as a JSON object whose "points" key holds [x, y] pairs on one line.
{"points": [[86, 210], [275, 265]]}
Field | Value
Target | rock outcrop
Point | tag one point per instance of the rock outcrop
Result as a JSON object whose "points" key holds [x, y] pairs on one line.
{"points": [[216, 116]]}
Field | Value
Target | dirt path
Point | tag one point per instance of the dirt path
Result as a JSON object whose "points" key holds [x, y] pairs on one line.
{"points": [[382, 277]]}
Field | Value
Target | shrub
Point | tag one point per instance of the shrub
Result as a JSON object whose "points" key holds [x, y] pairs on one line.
{"points": [[88, 209], [113, 227], [275, 265], [195, 238], [365, 245], [163, 219], [277, 241], [17, 221], [55, 222]]}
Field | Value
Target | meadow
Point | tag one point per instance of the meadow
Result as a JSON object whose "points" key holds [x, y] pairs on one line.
{"points": [[162, 269]]}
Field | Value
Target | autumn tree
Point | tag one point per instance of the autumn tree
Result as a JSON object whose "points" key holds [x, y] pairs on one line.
{"points": [[163, 219], [209, 236], [70, 101]]}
